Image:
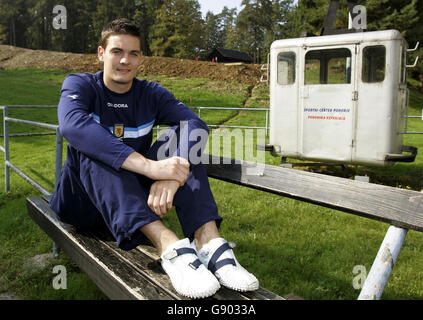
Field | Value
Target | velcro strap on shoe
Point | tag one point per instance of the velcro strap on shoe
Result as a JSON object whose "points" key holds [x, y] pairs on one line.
{"points": [[178, 252], [222, 263], [182, 251], [213, 265], [195, 264]]}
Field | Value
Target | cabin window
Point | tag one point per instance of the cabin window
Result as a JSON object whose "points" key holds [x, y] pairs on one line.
{"points": [[403, 63], [286, 68], [330, 66], [374, 64]]}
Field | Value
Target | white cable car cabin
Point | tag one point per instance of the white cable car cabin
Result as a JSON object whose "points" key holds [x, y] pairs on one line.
{"points": [[340, 98]]}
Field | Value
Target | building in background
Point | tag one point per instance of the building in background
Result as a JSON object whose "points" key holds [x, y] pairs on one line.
{"points": [[225, 55]]}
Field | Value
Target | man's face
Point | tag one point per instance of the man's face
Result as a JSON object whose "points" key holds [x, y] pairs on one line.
{"points": [[121, 57]]}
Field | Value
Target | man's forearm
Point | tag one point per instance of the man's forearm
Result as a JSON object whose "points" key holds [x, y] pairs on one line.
{"points": [[137, 163], [174, 168]]}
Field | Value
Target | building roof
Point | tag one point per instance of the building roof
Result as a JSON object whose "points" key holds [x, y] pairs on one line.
{"points": [[232, 54]]}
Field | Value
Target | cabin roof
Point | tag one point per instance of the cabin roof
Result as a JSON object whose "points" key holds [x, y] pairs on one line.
{"points": [[344, 38]]}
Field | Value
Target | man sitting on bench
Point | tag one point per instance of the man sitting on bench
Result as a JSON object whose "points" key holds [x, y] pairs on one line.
{"points": [[113, 174]]}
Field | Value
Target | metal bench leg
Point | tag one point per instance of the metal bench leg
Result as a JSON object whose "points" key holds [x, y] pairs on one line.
{"points": [[56, 250], [57, 171], [382, 266]]}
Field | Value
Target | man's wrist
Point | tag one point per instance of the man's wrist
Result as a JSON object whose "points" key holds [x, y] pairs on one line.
{"points": [[135, 162]]}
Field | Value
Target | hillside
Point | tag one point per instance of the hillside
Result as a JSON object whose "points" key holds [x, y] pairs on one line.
{"points": [[14, 57]]}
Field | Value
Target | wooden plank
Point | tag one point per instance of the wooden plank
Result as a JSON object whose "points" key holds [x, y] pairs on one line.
{"points": [[120, 274], [223, 293], [399, 207], [137, 260], [116, 279]]}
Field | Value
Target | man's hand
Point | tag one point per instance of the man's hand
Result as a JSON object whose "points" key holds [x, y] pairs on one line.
{"points": [[161, 195], [175, 168]]}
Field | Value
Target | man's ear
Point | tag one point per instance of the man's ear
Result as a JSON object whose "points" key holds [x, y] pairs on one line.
{"points": [[100, 53]]}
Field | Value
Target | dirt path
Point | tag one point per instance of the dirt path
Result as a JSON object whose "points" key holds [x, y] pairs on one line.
{"points": [[14, 57]]}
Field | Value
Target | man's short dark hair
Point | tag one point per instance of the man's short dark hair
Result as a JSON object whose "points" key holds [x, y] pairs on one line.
{"points": [[119, 26]]}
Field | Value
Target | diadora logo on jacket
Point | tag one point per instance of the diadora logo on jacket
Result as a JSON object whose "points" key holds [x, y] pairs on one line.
{"points": [[117, 105]]}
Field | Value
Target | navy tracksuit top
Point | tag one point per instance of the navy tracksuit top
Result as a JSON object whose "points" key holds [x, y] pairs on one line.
{"points": [[86, 102]]}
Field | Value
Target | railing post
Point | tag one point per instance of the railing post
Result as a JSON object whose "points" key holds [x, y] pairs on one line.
{"points": [[59, 155], [382, 266], [267, 123], [6, 151], [57, 171]]}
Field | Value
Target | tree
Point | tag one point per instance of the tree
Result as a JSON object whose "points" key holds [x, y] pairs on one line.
{"points": [[258, 24], [178, 29], [309, 15], [213, 32], [393, 14], [14, 19], [229, 17], [109, 10], [279, 15], [248, 32], [38, 33], [79, 35], [145, 14]]}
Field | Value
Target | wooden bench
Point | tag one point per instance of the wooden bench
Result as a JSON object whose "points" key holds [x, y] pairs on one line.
{"points": [[122, 275], [401, 208], [137, 274]]}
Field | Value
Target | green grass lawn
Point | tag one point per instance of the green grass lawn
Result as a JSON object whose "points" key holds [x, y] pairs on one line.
{"points": [[291, 246]]}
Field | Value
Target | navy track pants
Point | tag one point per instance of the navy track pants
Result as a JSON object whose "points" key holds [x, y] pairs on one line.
{"points": [[90, 194]]}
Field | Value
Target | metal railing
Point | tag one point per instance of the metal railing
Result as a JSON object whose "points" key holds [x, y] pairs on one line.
{"points": [[59, 138], [406, 123], [266, 127], [9, 165], [59, 144]]}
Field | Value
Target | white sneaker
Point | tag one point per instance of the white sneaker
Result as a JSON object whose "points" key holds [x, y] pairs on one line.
{"points": [[218, 257], [188, 275]]}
